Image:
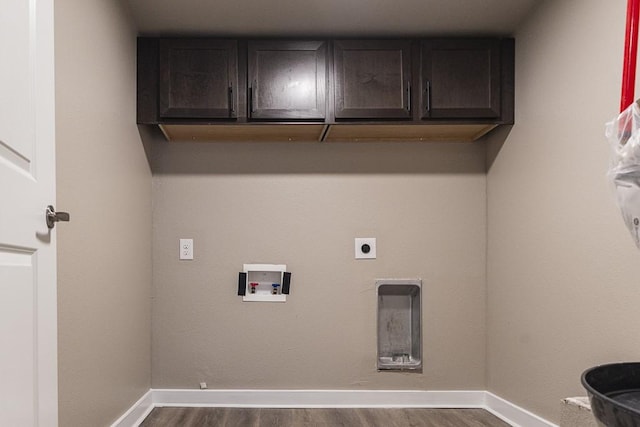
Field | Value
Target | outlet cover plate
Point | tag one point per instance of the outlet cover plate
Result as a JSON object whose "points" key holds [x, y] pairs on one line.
{"points": [[186, 249], [361, 247]]}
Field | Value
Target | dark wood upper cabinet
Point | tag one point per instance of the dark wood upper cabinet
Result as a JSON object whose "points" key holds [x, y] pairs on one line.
{"points": [[287, 80], [372, 79], [198, 78], [461, 79], [314, 89]]}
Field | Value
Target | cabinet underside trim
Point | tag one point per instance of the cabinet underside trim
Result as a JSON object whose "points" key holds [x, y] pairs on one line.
{"points": [[320, 133]]}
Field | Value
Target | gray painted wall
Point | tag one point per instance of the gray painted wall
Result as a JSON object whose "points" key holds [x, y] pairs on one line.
{"points": [[303, 205], [104, 181], [562, 270], [560, 292]]}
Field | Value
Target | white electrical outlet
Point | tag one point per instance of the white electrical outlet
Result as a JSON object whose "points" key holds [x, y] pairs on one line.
{"points": [[365, 247], [186, 248]]}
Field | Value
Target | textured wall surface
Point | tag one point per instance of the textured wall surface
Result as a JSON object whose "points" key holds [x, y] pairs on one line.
{"points": [[104, 181], [562, 271], [536, 246], [303, 205]]}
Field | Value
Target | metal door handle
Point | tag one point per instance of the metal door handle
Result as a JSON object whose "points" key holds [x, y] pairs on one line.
{"points": [[251, 93], [428, 95], [52, 216]]}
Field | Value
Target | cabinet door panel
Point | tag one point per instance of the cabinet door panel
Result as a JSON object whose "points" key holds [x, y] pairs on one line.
{"points": [[198, 78], [461, 78], [372, 79], [287, 80]]}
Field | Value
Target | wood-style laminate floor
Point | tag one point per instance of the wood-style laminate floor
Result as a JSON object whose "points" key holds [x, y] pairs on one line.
{"points": [[361, 417]]}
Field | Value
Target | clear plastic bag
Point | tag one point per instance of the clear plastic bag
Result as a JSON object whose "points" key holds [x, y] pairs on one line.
{"points": [[623, 134]]}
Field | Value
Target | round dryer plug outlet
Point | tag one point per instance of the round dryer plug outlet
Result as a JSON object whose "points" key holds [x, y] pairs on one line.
{"points": [[365, 247]]}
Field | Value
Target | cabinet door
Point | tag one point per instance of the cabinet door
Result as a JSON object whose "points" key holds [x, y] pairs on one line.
{"points": [[372, 79], [198, 78], [287, 79], [461, 78]]}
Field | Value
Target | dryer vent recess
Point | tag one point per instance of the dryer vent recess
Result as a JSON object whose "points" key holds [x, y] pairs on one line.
{"points": [[399, 324]]}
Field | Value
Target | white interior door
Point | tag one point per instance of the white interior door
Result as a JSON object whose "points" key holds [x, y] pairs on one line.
{"points": [[28, 329]]}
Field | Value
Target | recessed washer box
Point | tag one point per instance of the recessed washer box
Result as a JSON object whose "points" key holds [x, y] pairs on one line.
{"points": [[264, 282]]}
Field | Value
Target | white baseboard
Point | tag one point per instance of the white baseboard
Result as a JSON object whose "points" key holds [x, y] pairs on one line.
{"points": [[513, 414], [508, 412], [320, 398], [137, 413]]}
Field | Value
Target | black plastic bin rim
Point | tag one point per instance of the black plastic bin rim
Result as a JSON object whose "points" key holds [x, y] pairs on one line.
{"points": [[600, 395]]}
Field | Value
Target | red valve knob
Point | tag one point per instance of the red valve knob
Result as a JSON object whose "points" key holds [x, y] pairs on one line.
{"points": [[253, 285]]}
